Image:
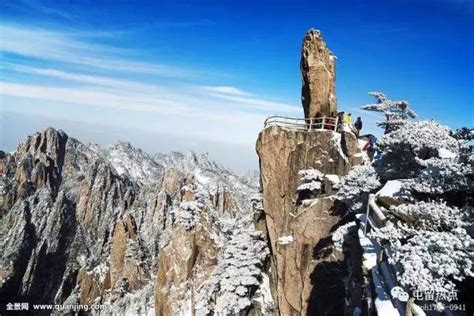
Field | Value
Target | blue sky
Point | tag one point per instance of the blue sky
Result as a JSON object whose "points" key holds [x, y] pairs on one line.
{"points": [[203, 75]]}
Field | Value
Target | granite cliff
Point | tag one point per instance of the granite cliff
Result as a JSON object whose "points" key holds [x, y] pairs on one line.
{"points": [[312, 276]]}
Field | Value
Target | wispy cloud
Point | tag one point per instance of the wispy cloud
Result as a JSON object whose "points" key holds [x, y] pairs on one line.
{"points": [[62, 47], [39, 6], [226, 90], [107, 90], [104, 81]]}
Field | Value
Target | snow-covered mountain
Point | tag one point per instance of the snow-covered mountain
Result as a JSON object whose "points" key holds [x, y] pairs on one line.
{"points": [[133, 162], [120, 227]]}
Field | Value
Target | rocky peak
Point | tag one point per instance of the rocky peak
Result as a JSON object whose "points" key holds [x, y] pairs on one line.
{"points": [[133, 162], [318, 74], [188, 160], [299, 172]]}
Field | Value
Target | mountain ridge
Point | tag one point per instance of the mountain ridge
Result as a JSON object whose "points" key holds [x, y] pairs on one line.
{"points": [[99, 219]]}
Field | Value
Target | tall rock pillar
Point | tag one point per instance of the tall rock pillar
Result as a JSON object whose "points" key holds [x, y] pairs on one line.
{"points": [[310, 274], [318, 74]]}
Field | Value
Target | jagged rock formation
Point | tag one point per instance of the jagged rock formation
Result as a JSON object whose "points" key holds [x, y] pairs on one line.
{"points": [[312, 274], [319, 75], [80, 224]]}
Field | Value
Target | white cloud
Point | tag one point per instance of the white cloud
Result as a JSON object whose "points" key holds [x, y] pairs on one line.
{"points": [[111, 91], [226, 90], [181, 105], [259, 103], [64, 48], [104, 81]]}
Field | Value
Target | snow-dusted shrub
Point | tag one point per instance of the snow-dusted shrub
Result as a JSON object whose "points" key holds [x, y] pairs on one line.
{"points": [[430, 244], [257, 203], [402, 147], [439, 176], [237, 275], [423, 139], [340, 234], [311, 180], [432, 216], [309, 175], [187, 214], [311, 183], [396, 112], [432, 260], [356, 186]]}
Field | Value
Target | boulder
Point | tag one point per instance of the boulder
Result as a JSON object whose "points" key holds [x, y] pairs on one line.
{"points": [[392, 194]]}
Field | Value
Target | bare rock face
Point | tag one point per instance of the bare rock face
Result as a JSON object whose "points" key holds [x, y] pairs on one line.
{"points": [[309, 272], [319, 75]]}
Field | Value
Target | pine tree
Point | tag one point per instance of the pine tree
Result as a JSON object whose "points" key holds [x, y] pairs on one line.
{"points": [[396, 112]]}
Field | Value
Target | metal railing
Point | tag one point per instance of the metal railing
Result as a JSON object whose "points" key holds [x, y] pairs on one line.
{"points": [[386, 271], [374, 220], [302, 124]]}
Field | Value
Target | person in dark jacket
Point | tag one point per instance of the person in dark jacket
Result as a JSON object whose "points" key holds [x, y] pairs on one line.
{"points": [[340, 121], [358, 125], [317, 123]]}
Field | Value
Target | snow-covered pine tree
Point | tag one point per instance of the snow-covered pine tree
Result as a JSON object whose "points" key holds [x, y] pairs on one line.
{"points": [[431, 244], [429, 159], [430, 234], [357, 185], [396, 112]]}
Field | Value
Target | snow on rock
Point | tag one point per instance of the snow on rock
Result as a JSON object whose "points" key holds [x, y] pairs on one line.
{"points": [[362, 143], [133, 162], [336, 138], [311, 181], [391, 188], [383, 304], [285, 240], [200, 177], [333, 179], [446, 154], [385, 308], [346, 128]]}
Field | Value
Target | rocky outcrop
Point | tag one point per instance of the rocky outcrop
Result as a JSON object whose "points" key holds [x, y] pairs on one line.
{"points": [[316, 271], [309, 270], [319, 75]]}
